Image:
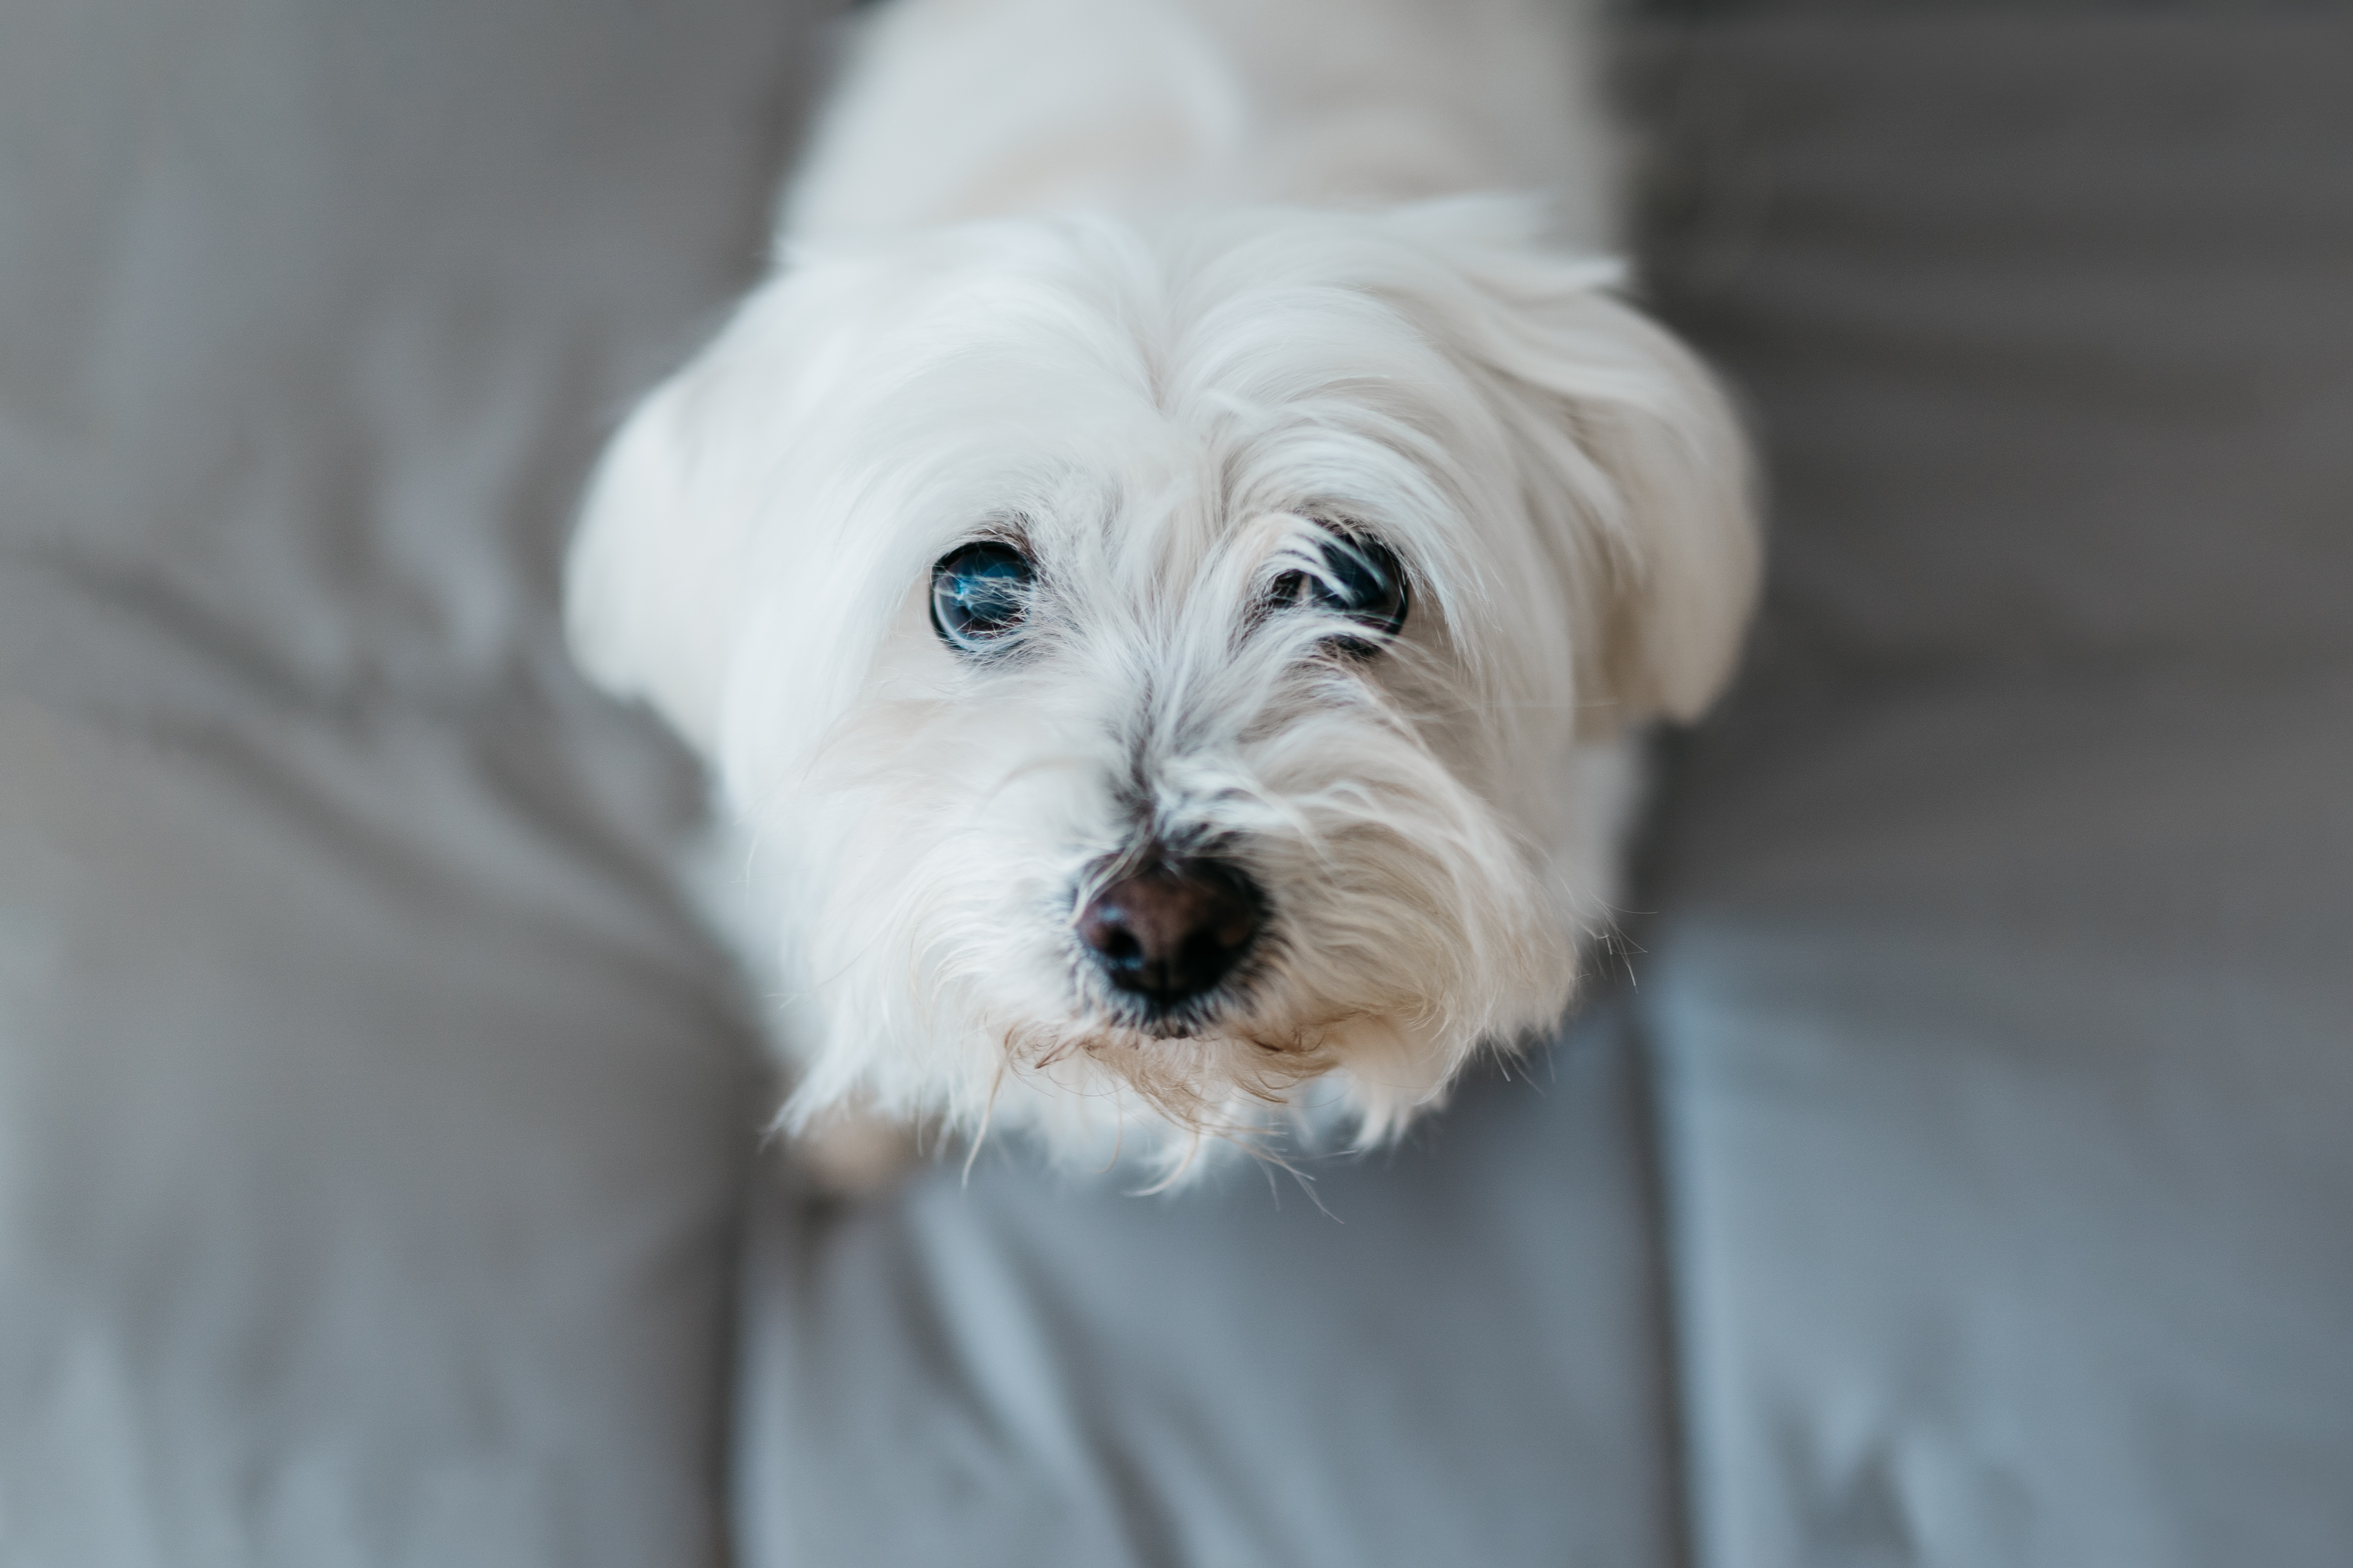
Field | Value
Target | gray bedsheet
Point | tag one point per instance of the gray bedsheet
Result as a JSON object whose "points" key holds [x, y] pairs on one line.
{"points": [[1449, 1353], [2001, 993], [1962, 1178], [372, 1125]]}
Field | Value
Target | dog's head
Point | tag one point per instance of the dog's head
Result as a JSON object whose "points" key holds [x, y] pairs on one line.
{"points": [[1165, 666]]}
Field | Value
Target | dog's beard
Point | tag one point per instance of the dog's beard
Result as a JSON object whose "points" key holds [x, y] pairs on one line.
{"points": [[933, 855]]}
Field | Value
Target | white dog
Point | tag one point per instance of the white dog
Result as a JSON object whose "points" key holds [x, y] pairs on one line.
{"points": [[1165, 570]]}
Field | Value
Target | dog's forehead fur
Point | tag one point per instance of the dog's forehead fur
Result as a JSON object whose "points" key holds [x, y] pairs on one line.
{"points": [[1135, 404]]}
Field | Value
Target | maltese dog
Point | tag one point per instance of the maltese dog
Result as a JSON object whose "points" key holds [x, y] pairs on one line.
{"points": [[1168, 569]]}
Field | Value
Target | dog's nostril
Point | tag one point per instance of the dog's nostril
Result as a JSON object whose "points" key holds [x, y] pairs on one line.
{"points": [[1173, 931]]}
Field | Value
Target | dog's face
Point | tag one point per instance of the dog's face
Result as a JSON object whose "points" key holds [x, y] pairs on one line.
{"points": [[1163, 669]]}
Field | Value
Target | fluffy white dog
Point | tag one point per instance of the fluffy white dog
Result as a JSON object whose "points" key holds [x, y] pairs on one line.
{"points": [[1166, 570]]}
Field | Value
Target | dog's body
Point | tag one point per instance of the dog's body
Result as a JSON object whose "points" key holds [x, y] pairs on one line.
{"points": [[955, 110], [1167, 619]]}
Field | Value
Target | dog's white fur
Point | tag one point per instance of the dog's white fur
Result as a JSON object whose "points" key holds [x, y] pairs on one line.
{"points": [[1156, 286]]}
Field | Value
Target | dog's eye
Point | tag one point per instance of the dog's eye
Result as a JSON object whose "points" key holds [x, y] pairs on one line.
{"points": [[979, 595], [1361, 579]]}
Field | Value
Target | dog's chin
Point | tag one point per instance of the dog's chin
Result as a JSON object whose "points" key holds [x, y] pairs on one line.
{"points": [[1183, 1099]]}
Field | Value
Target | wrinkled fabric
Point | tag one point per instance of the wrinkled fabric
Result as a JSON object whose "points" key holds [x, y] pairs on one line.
{"points": [[373, 1118], [1998, 998], [2009, 1051], [2043, 320], [1452, 1351]]}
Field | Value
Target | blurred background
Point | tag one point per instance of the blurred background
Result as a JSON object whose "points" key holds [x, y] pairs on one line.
{"points": [[1960, 1174]]}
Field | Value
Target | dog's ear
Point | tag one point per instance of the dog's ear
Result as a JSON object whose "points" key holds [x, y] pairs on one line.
{"points": [[1633, 460], [1678, 523], [655, 584]]}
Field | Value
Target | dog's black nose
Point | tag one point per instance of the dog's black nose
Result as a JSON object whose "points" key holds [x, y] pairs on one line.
{"points": [[1172, 930]]}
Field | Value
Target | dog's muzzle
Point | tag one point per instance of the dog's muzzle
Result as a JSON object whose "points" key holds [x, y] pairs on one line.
{"points": [[1171, 931]]}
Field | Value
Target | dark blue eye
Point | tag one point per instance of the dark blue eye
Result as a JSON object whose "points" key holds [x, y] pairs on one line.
{"points": [[980, 592], [1362, 580]]}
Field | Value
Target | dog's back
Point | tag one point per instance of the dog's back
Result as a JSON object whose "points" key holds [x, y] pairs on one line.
{"points": [[963, 108]]}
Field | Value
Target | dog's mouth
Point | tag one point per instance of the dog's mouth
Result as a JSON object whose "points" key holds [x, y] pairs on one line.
{"points": [[1189, 1020], [1201, 1072], [1142, 1011]]}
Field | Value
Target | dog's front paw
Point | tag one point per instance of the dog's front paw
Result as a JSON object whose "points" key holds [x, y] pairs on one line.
{"points": [[856, 1153]]}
